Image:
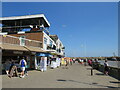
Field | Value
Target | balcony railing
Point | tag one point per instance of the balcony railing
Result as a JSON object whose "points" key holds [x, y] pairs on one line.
{"points": [[7, 39]]}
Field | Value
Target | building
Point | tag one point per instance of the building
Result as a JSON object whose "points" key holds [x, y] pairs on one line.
{"points": [[28, 36]]}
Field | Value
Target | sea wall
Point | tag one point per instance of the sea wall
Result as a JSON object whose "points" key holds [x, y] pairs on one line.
{"points": [[113, 71]]}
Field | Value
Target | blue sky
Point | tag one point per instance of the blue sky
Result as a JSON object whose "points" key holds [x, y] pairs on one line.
{"points": [[85, 28]]}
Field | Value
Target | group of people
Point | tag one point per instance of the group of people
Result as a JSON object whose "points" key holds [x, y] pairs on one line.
{"points": [[92, 62], [11, 68]]}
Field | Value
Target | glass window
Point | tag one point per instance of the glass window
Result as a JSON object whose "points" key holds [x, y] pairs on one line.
{"points": [[45, 40], [50, 43], [22, 40]]}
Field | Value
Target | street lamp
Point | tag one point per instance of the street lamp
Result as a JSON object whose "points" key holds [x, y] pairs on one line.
{"points": [[84, 46]]}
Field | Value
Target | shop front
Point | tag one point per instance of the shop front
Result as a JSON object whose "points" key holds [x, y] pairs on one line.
{"points": [[16, 56], [42, 61]]}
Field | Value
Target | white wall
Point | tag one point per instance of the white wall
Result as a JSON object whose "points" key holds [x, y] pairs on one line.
{"points": [[48, 41], [60, 47], [57, 44]]}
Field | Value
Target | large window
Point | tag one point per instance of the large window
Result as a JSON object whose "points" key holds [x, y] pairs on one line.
{"points": [[51, 43], [45, 40], [22, 40]]}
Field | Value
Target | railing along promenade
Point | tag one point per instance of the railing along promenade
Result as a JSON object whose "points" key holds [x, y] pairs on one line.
{"points": [[113, 71]]}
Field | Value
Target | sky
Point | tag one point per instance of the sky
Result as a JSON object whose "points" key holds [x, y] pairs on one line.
{"points": [[85, 28]]}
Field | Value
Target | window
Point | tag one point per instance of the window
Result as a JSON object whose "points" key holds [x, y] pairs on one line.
{"points": [[45, 40], [22, 40], [51, 43]]}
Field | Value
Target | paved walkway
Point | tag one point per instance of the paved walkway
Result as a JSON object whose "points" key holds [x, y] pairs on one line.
{"points": [[76, 76]]}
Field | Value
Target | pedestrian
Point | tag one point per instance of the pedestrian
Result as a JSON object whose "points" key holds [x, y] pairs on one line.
{"points": [[106, 67], [26, 69], [12, 64], [7, 66], [85, 62], [22, 63], [66, 63], [71, 61], [82, 61], [90, 62], [13, 69]]}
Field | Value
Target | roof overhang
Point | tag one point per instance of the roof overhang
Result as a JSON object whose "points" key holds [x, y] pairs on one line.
{"points": [[8, 20], [12, 47], [35, 49]]}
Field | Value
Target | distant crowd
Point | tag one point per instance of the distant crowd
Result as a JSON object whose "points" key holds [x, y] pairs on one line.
{"points": [[94, 63]]}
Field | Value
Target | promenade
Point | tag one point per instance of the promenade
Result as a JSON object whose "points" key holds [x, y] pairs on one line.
{"points": [[76, 76]]}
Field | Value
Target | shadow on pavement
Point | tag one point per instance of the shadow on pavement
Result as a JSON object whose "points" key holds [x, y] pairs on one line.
{"points": [[99, 74], [61, 80], [94, 83], [115, 82]]}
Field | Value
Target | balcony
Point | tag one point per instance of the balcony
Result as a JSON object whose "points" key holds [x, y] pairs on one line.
{"points": [[51, 48], [15, 43]]}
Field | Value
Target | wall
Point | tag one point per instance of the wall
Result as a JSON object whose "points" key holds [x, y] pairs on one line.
{"points": [[38, 36], [48, 41], [60, 46], [114, 72]]}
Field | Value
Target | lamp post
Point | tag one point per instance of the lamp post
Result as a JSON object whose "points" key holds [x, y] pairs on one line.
{"points": [[84, 47]]}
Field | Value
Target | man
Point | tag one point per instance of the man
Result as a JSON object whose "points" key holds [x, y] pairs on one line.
{"points": [[23, 63], [106, 67]]}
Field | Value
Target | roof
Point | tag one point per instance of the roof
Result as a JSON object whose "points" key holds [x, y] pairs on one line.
{"points": [[9, 20]]}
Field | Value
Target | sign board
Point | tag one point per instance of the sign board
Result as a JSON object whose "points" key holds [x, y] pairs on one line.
{"points": [[17, 52], [33, 53]]}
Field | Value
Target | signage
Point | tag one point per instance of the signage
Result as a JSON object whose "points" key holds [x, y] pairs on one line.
{"points": [[33, 53], [17, 52]]}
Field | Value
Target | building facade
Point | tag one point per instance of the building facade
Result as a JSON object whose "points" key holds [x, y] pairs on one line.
{"points": [[29, 37]]}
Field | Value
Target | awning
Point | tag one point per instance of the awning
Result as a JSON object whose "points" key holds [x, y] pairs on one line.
{"points": [[35, 49], [20, 48], [12, 47]]}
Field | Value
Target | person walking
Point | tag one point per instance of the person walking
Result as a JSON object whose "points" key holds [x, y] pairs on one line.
{"points": [[85, 62], [71, 61], [22, 63], [106, 68], [66, 63], [26, 70], [7, 66]]}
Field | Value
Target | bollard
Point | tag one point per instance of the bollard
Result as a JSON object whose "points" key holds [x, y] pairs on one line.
{"points": [[91, 71]]}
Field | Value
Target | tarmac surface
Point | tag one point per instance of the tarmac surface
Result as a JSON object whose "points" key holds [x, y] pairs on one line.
{"points": [[76, 76]]}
